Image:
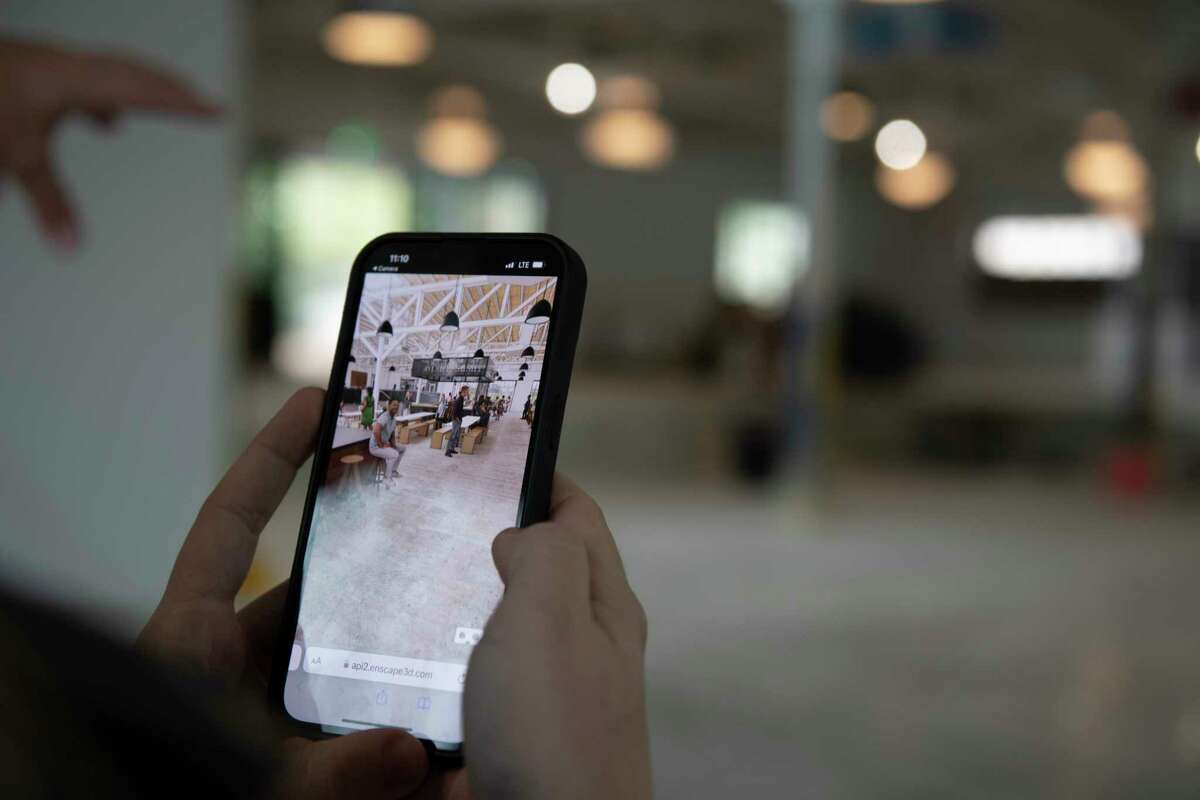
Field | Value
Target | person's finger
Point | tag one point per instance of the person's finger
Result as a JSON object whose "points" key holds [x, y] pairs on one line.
{"points": [[384, 764], [444, 784], [614, 604], [545, 574], [217, 552], [260, 617], [50, 204], [575, 509], [103, 82], [260, 620]]}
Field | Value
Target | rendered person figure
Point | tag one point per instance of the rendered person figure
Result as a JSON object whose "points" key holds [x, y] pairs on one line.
{"points": [[383, 442], [458, 410]]}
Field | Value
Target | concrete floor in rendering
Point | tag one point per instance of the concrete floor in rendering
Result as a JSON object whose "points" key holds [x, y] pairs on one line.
{"points": [[398, 568]]}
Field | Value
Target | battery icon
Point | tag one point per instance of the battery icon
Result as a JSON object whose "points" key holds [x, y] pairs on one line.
{"points": [[538, 264]]}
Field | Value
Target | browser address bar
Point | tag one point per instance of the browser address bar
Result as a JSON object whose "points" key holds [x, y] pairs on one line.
{"points": [[441, 675]]}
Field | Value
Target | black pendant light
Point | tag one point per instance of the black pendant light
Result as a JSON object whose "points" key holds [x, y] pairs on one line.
{"points": [[539, 314], [524, 367], [528, 352], [391, 369], [353, 360], [450, 321], [385, 327], [521, 378], [437, 353], [479, 353]]}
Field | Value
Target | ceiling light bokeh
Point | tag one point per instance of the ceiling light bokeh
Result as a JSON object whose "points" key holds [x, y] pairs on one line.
{"points": [[900, 144], [630, 134], [1106, 170], [1104, 166], [629, 139], [571, 88], [920, 187], [461, 147], [378, 38], [847, 116], [458, 141]]}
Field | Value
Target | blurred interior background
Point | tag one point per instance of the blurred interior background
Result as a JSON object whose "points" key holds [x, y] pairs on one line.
{"points": [[889, 379]]}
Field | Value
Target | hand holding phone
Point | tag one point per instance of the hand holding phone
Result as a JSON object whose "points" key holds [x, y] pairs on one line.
{"points": [[564, 650], [196, 629], [393, 581]]}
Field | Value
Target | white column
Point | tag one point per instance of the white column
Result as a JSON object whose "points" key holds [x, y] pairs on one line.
{"points": [[174, 312], [815, 44], [379, 375]]}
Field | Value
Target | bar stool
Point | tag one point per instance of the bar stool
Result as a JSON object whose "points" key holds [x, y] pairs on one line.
{"points": [[380, 473], [351, 475]]}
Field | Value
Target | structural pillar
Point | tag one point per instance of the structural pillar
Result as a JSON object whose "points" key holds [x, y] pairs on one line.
{"points": [[815, 45]]}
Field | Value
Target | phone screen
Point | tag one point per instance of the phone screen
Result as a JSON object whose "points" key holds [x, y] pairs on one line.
{"points": [[426, 463]]}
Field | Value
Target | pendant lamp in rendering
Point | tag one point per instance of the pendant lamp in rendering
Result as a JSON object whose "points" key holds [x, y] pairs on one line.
{"points": [[479, 354], [450, 321], [528, 352], [385, 327], [539, 314], [437, 353]]}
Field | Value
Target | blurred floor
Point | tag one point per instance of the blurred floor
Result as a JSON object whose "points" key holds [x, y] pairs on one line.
{"points": [[931, 638], [926, 635]]}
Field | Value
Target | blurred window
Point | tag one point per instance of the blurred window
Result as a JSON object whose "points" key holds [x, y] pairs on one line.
{"points": [[327, 210], [762, 250], [306, 216], [509, 199]]}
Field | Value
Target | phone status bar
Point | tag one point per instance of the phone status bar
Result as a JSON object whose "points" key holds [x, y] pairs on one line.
{"points": [[464, 257], [402, 262]]}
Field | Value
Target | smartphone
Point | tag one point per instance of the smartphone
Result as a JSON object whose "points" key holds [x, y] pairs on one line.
{"points": [[440, 429]]}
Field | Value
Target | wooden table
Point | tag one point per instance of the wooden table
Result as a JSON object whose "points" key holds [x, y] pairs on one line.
{"points": [[437, 440], [410, 423]]}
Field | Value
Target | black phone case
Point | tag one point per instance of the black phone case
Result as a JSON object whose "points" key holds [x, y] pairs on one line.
{"points": [[534, 505]]}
